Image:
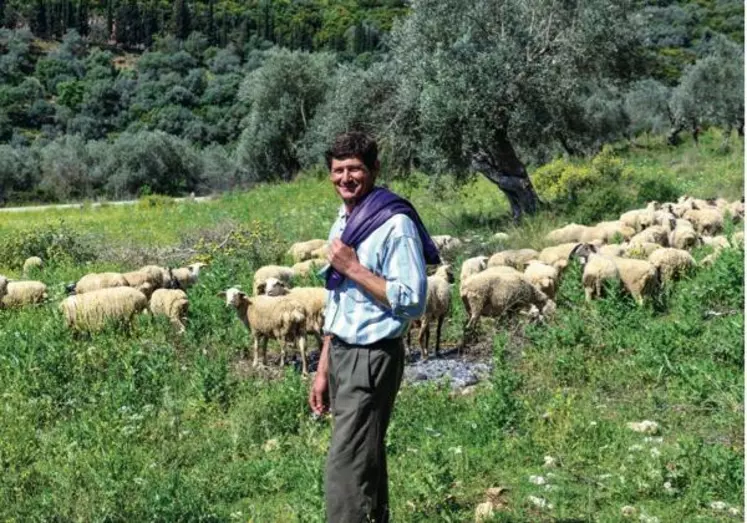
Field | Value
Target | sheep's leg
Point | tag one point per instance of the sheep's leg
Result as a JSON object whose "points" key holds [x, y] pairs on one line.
{"points": [[255, 362], [439, 324], [423, 339], [588, 293], [264, 350], [302, 350], [283, 343]]}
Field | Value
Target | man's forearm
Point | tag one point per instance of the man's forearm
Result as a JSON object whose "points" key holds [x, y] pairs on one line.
{"points": [[373, 284], [324, 356]]}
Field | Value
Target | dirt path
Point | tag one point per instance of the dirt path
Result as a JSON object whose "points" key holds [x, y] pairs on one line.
{"points": [[38, 208]]}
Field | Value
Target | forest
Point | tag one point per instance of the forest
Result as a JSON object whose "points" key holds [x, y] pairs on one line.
{"points": [[119, 98]]}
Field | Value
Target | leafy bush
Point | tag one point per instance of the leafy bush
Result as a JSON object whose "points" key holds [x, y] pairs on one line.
{"points": [[53, 243], [155, 201], [254, 243]]}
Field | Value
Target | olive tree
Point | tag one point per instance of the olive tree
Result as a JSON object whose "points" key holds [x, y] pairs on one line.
{"points": [[489, 78]]}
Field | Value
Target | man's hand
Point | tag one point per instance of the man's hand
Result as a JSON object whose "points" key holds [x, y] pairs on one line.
{"points": [[318, 392], [342, 257]]}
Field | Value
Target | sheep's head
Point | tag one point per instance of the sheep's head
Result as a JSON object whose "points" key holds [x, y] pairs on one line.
{"points": [[445, 272], [3, 286], [195, 268], [274, 287], [234, 297], [169, 282], [582, 251]]}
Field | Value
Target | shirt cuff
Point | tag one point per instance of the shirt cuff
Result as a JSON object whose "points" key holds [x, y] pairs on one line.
{"points": [[401, 301]]}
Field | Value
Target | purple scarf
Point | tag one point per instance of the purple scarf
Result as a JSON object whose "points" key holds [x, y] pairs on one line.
{"points": [[368, 215]]}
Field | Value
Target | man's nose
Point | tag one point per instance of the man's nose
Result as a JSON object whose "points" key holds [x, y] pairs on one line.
{"points": [[345, 175]]}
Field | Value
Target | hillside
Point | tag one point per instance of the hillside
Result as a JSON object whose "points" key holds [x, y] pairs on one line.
{"points": [[148, 425]]}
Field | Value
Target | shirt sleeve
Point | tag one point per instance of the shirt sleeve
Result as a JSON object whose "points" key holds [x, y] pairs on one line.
{"points": [[406, 280]]}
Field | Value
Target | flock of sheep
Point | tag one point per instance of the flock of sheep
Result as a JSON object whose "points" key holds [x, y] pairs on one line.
{"points": [[654, 248]]}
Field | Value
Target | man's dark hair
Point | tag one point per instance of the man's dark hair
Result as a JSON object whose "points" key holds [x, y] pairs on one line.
{"points": [[351, 145]]}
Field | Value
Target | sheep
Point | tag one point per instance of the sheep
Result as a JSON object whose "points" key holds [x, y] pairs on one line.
{"points": [[91, 310], [607, 232], [437, 304], [517, 259], [639, 277], [638, 219], [544, 277], [653, 234], [671, 263], [3, 286], [736, 209], [32, 264], [279, 272], [320, 253], [172, 303], [557, 256], [737, 240], [641, 250], [302, 251], [185, 277], [706, 221], [446, 243], [567, 234], [97, 281], [278, 317], [473, 266], [306, 268], [491, 293], [146, 279], [613, 250], [314, 300], [717, 242], [683, 236], [20, 293]]}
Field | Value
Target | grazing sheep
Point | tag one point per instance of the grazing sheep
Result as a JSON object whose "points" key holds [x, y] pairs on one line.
{"points": [[302, 251], [32, 264], [21, 293], [641, 250], [146, 279], [717, 242], [638, 219], [320, 253], [665, 219], [544, 277], [185, 277], [3, 286], [306, 268], [314, 300], [558, 255], [671, 263], [473, 266], [97, 281], [518, 259], [683, 236], [613, 249], [446, 243], [91, 310], [279, 272], [653, 234], [279, 317], [736, 209], [492, 293], [706, 221], [607, 232], [570, 233], [737, 240], [639, 277], [172, 303], [437, 304]]}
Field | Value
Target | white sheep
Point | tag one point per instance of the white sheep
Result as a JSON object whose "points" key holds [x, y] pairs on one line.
{"points": [[544, 277], [302, 251], [671, 263], [21, 293], [707, 221], [445, 243], [683, 236], [638, 219], [306, 268], [641, 250], [146, 279], [278, 317], [492, 293], [473, 266], [557, 256], [437, 304], [279, 272], [314, 300], [606, 232], [32, 264], [97, 281], [185, 277], [639, 277], [518, 259], [613, 249], [653, 234], [91, 310], [570, 233], [736, 209], [172, 303]]}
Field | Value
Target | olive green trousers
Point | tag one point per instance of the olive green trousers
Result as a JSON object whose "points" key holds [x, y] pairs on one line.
{"points": [[363, 384]]}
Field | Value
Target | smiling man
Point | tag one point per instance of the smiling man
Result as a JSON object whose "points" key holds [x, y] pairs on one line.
{"points": [[378, 249]]}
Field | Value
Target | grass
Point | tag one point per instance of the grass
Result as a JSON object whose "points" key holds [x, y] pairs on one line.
{"points": [[151, 426]]}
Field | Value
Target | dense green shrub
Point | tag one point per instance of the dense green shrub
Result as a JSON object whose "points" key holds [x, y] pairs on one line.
{"points": [[57, 244]]}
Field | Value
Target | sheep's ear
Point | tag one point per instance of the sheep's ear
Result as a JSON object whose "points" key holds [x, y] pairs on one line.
{"points": [[261, 288], [221, 294]]}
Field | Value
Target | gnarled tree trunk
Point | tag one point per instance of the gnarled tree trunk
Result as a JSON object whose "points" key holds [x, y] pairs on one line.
{"points": [[499, 163]]}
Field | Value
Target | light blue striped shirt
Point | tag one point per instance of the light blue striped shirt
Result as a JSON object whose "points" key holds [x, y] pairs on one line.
{"points": [[394, 252]]}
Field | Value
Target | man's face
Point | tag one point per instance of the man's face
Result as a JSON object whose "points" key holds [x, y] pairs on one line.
{"points": [[351, 178]]}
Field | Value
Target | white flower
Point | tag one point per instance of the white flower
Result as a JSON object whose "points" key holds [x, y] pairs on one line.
{"points": [[537, 480], [718, 505], [539, 502], [550, 462]]}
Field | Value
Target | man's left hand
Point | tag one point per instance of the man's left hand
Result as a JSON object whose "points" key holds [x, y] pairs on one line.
{"points": [[342, 257]]}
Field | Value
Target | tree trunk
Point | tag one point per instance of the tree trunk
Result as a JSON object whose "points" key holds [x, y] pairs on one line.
{"points": [[673, 138], [500, 164]]}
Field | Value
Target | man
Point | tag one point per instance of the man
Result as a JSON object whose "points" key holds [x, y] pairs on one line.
{"points": [[378, 249]]}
